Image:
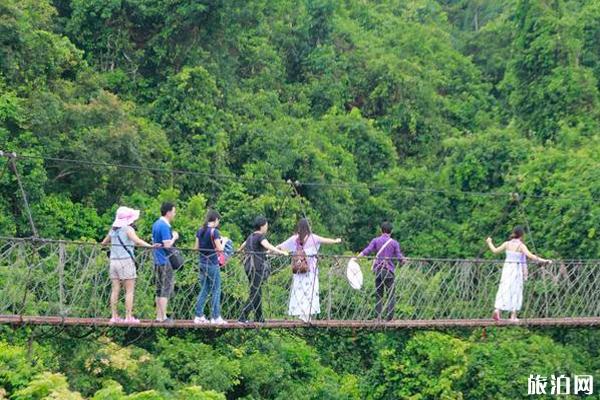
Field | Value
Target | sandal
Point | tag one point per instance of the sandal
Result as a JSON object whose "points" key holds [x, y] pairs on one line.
{"points": [[496, 316]]}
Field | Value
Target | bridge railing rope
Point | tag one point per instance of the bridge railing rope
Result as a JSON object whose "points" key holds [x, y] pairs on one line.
{"points": [[68, 279]]}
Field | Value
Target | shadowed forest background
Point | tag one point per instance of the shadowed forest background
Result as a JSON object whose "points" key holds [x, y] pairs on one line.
{"points": [[413, 111]]}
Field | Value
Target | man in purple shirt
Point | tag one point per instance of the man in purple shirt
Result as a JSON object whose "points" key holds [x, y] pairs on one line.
{"points": [[387, 253]]}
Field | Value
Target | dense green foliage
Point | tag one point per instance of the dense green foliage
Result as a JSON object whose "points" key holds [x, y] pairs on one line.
{"points": [[278, 365], [413, 105], [388, 96]]}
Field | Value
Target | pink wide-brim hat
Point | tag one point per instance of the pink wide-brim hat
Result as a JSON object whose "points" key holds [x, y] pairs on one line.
{"points": [[125, 217]]}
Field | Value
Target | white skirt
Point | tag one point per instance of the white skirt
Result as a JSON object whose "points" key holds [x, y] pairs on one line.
{"points": [[510, 291], [304, 296]]}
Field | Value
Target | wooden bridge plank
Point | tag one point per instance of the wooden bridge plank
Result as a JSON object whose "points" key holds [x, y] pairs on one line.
{"points": [[290, 324]]}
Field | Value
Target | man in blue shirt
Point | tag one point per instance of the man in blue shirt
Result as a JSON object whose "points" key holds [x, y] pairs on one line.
{"points": [[163, 272], [387, 253]]}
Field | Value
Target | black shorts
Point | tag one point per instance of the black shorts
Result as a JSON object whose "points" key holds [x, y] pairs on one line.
{"points": [[164, 280]]}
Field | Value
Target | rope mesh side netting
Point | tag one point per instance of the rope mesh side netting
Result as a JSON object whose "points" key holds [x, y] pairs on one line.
{"points": [[68, 279], [55, 282]]}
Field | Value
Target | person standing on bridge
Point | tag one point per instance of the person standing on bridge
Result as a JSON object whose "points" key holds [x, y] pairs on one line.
{"points": [[510, 291], [387, 254], [122, 239], [304, 295], [163, 235], [256, 267], [208, 243]]}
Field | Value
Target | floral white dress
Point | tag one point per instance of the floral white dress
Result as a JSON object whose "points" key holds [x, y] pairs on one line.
{"points": [[304, 295]]}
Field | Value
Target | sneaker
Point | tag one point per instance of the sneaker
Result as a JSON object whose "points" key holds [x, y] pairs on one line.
{"points": [[132, 320], [200, 320], [167, 321], [116, 320], [218, 321]]}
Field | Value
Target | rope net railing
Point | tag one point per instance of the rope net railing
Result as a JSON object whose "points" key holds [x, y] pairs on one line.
{"points": [[68, 279]]}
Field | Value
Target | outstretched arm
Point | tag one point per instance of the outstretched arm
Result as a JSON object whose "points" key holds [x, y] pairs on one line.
{"points": [[532, 256], [367, 250], [265, 243], [134, 237], [324, 240], [289, 244], [398, 254], [493, 248]]}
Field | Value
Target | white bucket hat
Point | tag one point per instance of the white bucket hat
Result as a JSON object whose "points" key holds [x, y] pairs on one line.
{"points": [[125, 217]]}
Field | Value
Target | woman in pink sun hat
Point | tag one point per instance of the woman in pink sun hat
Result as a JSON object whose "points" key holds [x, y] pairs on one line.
{"points": [[123, 239]]}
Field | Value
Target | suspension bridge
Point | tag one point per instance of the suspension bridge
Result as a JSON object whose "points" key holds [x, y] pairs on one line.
{"points": [[51, 282], [66, 283]]}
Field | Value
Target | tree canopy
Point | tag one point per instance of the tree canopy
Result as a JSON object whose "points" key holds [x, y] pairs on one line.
{"points": [[453, 119]]}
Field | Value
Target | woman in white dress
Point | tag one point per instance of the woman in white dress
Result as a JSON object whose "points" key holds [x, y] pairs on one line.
{"points": [[514, 272], [304, 296]]}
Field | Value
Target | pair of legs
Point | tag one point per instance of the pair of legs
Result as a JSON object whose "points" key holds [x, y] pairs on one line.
{"points": [[385, 283], [165, 284], [210, 283], [256, 277], [122, 271], [129, 285]]}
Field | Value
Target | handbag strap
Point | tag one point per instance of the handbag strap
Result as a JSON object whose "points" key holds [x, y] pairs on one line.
{"points": [[300, 245], [125, 247], [383, 247]]}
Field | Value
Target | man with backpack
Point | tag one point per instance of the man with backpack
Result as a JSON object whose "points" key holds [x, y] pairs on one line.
{"points": [[387, 253]]}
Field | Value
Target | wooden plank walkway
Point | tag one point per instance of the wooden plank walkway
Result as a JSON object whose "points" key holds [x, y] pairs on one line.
{"points": [[287, 324]]}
